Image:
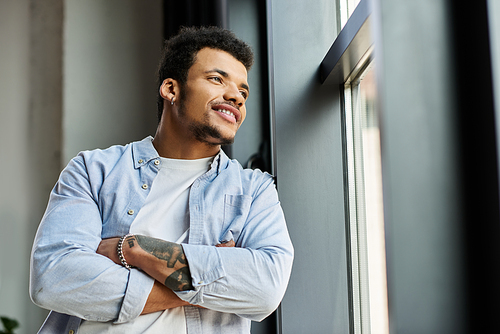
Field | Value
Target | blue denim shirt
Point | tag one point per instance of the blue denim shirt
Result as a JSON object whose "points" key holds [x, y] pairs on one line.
{"points": [[99, 194]]}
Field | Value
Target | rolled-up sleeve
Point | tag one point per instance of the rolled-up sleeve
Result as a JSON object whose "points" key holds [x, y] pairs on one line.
{"points": [[251, 278]]}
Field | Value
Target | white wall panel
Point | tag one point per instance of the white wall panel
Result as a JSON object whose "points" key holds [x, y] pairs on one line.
{"points": [[111, 53]]}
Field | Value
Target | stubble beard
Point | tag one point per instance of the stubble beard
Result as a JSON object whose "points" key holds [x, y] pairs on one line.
{"points": [[203, 131]]}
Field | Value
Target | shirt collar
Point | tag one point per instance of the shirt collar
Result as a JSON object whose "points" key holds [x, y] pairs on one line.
{"points": [[221, 161], [143, 152]]}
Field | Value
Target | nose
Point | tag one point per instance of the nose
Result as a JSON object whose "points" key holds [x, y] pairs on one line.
{"points": [[233, 94]]}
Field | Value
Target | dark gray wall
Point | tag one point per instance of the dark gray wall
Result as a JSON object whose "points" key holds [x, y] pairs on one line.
{"points": [[309, 167]]}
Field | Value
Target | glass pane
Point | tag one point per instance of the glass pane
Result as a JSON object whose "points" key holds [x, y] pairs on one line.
{"points": [[366, 206], [347, 7]]}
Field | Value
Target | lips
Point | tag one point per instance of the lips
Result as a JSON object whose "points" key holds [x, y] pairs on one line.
{"points": [[228, 112]]}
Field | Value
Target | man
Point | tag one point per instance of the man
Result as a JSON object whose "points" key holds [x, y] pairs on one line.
{"points": [[167, 235]]}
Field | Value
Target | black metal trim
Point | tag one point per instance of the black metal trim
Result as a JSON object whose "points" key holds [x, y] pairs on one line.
{"points": [[270, 66], [349, 48]]}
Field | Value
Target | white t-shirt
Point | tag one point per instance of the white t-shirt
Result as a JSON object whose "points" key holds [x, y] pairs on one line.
{"points": [[165, 215]]}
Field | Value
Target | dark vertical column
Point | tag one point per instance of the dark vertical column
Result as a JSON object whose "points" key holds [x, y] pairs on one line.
{"points": [[267, 109], [479, 164]]}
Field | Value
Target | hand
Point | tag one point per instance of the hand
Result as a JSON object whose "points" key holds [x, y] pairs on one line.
{"points": [[229, 243], [107, 248], [162, 298]]}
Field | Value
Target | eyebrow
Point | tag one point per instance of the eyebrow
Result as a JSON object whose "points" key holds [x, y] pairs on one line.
{"points": [[226, 75]]}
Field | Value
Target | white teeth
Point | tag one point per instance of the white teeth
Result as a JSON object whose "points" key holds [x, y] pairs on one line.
{"points": [[227, 112]]}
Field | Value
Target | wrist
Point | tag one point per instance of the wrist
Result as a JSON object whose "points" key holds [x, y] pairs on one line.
{"points": [[123, 250]]}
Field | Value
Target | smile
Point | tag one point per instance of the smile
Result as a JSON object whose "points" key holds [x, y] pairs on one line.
{"points": [[227, 112]]}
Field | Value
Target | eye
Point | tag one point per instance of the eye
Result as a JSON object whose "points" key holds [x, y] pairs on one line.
{"points": [[244, 94], [216, 79]]}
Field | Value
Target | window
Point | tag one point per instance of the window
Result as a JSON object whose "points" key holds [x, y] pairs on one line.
{"points": [[349, 63]]}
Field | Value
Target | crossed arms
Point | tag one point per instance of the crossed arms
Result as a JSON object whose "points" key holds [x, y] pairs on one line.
{"points": [[163, 260], [71, 278]]}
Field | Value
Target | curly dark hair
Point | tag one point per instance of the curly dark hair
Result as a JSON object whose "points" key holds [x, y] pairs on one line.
{"points": [[179, 53]]}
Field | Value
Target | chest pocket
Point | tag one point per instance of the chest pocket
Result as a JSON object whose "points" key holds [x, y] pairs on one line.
{"points": [[236, 209]]}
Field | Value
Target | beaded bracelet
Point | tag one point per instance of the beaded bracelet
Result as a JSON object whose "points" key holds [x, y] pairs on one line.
{"points": [[119, 250]]}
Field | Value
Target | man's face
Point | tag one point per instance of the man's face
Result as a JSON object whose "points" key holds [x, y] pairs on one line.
{"points": [[212, 102]]}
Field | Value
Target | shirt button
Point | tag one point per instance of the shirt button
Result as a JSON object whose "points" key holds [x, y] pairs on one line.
{"points": [[157, 162], [140, 161], [71, 331], [144, 186], [130, 212], [200, 282]]}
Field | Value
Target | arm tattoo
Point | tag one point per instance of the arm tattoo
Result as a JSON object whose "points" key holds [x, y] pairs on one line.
{"points": [[130, 241], [173, 255], [180, 279]]}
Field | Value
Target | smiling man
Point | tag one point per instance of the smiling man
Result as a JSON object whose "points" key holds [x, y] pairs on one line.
{"points": [[167, 235]]}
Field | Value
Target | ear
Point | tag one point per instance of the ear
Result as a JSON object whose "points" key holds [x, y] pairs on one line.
{"points": [[169, 89]]}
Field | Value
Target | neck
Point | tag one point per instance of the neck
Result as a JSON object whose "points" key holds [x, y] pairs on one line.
{"points": [[169, 144]]}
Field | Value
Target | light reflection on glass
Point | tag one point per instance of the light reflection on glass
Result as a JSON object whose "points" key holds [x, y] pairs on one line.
{"points": [[366, 206]]}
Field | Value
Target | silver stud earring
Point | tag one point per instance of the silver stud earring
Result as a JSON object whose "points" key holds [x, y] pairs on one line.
{"points": [[172, 101]]}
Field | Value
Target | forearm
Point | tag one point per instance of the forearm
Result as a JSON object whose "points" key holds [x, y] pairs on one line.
{"points": [[163, 260], [245, 281], [162, 298]]}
